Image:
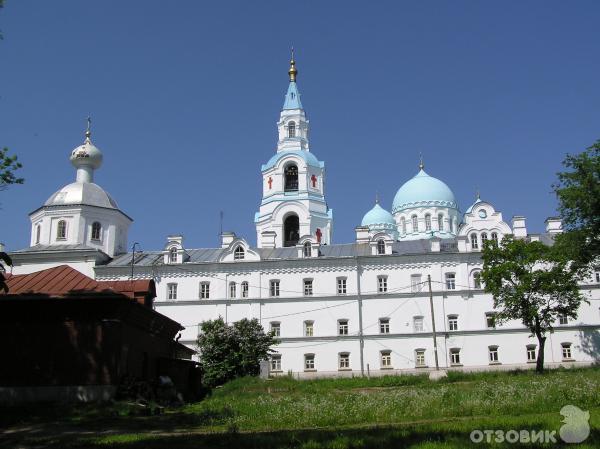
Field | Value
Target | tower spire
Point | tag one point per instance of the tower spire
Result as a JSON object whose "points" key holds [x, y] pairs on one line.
{"points": [[421, 164], [293, 72], [88, 131]]}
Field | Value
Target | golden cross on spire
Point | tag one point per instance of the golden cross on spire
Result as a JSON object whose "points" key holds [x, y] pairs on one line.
{"points": [[88, 131], [293, 72]]}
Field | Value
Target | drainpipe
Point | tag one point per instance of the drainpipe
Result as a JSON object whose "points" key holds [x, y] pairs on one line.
{"points": [[360, 319]]}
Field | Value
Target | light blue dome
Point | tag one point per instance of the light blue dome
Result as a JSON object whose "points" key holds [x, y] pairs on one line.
{"points": [[423, 190], [307, 156], [377, 216]]}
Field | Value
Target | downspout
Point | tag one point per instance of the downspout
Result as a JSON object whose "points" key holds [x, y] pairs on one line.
{"points": [[360, 318]]}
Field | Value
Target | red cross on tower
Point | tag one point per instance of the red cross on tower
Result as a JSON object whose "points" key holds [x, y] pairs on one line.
{"points": [[318, 234], [270, 182], [313, 178]]}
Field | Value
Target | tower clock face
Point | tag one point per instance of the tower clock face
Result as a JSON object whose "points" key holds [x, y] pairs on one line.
{"points": [[482, 213]]}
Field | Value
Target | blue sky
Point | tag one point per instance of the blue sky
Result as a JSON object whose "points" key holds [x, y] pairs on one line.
{"points": [[185, 95]]}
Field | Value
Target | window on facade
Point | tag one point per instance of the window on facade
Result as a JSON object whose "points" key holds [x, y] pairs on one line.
{"points": [[566, 351], [451, 224], [291, 178], [403, 223], [276, 328], [384, 325], [386, 359], [341, 286], [450, 281], [307, 249], [597, 277], [477, 279], [276, 362], [418, 323], [415, 223], [239, 253], [291, 129], [308, 287], [428, 222], [531, 355], [342, 327], [380, 246], [415, 283], [172, 291], [38, 231], [309, 361], [419, 357], [490, 320], [452, 322], [274, 288], [232, 290], [61, 230], [96, 230], [344, 360], [484, 238], [474, 241], [309, 328], [382, 284], [204, 290], [455, 356], [173, 255], [244, 289], [495, 237], [291, 230], [563, 319], [440, 222], [493, 354]]}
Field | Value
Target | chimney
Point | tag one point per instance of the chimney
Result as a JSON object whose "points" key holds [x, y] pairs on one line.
{"points": [[362, 234], [227, 238], [553, 225], [268, 239], [518, 227]]}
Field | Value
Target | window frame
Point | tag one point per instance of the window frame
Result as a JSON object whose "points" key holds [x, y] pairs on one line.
{"points": [[493, 356], [275, 328], [239, 253], [490, 316], [245, 289], [455, 357], [204, 290], [427, 222], [96, 232], [341, 285], [307, 287], [382, 286], [531, 352], [291, 128], [474, 239], [567, 351], [450, 281], [232, 290], [420, 357], [380, 247], [307, 249], [563, 320], [421, 320], [274, 291], [310, 362], [173, 254], [61, 230], [343, 326], [276, 363], [452, 322], [384, 325], [344, 361], [440, 220], [172, 291], [416, 287], [38, 233], [309, 328], [385, 359], [414, 222]]}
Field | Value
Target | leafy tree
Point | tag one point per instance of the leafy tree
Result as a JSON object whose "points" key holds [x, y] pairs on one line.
{"points": [[231, 351], [578, 192], [530, 282], [8, 166], [6, 259]]}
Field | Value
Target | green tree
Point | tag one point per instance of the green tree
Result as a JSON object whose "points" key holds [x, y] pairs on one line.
{"points": [[8, 166], [530, 282], [231, 351], [578, 192]]}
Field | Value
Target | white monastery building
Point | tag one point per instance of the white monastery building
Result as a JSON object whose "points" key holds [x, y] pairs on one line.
{"points": [[338, 309]]}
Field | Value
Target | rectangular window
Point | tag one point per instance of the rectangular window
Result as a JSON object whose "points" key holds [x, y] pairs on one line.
{"points": [[382, 284], [490, 320], [419, 357], [597, 277], [274, 288], [309, 362], [455, 356], [493, 354], [386, 359], [452, 322], [344, 360], [244, 289], [308, 287], [531, 355], [450, 281], [384, 325], [341, 286], [566, 351], [415, 283], [172, 291], [276, 362], [204, 290], [276, 328], [343, 327], [418, 323], [562, 319], [309, 328], [232, 290]]}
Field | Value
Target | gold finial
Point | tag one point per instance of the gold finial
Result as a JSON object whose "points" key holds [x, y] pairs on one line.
{"points": [[421, 164], [88, 131], [293, 71]]}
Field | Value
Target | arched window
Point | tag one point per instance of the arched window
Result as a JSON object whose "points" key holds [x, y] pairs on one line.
{"points": [[61, 230], [474, 241], [232, 290], [440, 222], [96, 229], [38, 232], [291, 129], [291, 178], [427, 222], [291, 230], [415, 224], [239, 253], [451, 223], [484, 238], [173, 255], [244, 289], [495, 237], [477, 279], [403, 223], [380, 246], [307, 249]]}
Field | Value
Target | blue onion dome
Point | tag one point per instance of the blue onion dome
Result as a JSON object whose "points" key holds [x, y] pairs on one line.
{"points": [[378, 216], [422, 191]]}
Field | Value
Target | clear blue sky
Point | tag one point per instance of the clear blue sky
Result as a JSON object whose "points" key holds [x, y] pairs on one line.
{"points": [[185, 96]]}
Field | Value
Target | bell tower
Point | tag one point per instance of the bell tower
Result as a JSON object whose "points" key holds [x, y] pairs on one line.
{"points": [[293, 204]]}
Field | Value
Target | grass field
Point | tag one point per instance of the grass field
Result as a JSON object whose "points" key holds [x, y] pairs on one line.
{"points": [[386, 412]]}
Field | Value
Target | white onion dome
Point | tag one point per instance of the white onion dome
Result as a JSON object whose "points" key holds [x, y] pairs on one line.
{"points": [[86, 155]]}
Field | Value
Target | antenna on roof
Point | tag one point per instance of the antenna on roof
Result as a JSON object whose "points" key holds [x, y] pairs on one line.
{"points": [[133, 257], [220, 224]]}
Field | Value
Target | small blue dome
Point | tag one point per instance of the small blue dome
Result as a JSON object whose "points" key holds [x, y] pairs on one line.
{"points": [[307, 156], [423, 190], [377, 216]]}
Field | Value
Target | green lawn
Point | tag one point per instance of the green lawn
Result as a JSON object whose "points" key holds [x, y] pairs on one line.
{"points": [[394, 411]]}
